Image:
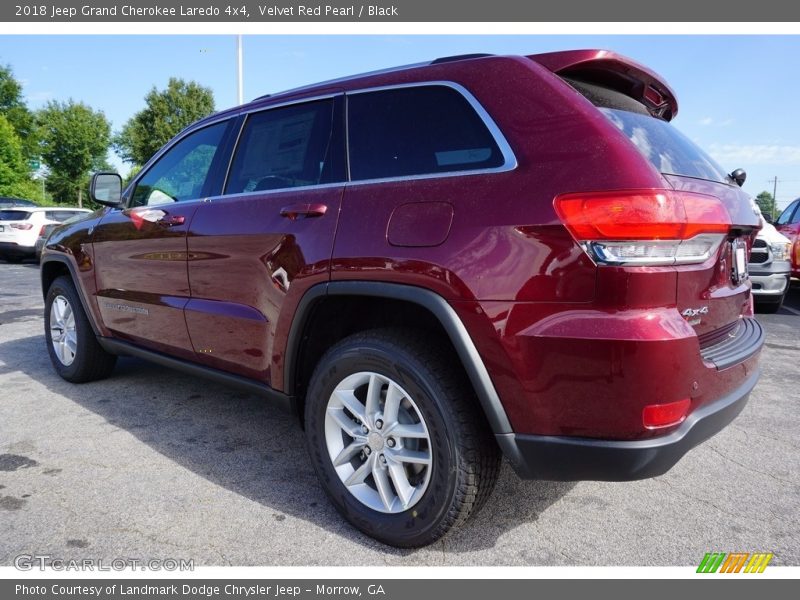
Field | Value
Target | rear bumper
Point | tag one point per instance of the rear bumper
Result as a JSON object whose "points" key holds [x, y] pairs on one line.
{"points": [[560, 458], [12, 249]]}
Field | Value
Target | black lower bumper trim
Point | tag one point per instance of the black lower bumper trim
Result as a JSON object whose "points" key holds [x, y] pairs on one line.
{"points": [[573, 459], [746, 340], [15, 250]]}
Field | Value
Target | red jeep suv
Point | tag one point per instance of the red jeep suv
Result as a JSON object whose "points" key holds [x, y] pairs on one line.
{"points": [[434, 265]]}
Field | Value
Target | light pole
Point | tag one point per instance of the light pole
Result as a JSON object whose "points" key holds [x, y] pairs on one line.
{"points": [[239, 81]]}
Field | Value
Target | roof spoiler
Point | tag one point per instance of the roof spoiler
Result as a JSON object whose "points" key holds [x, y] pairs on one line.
{"points": [[618, 72]]}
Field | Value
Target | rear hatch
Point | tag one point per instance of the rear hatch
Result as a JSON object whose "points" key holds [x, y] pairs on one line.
{"points": [[14, 224], [713, 292], [712, 295]]}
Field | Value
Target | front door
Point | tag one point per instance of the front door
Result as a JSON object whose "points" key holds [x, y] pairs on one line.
{"points": [[140, 251]]}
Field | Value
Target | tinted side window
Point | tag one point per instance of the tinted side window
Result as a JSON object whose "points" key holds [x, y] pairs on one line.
{"points": [[181, 173], [417, 131], [787, 214], [285, 148]]}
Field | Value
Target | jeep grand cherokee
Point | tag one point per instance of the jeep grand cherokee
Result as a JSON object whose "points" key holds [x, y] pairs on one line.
{"points": [[435, 265]]}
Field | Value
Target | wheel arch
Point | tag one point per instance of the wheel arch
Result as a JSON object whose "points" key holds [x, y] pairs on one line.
{"points": [[429, 304], [53, 267]]}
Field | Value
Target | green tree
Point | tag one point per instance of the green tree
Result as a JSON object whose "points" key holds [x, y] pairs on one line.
{"points": [[75, 139], [13, 107], [766, 203], [167, 113], [15, 179]]}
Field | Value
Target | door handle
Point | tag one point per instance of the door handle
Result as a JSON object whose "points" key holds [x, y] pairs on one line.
{"points": [[297, 211], [140, 215], [172, 220]]}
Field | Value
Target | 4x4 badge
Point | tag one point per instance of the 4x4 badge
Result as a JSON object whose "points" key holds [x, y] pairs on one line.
{"points": [[692, 315]]}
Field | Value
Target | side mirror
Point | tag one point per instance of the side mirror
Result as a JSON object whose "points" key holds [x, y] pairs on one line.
{"points": [[739, 177], [106, 189]]}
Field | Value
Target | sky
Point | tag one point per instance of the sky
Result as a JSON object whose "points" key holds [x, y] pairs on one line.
{"points": [[737, 95]]}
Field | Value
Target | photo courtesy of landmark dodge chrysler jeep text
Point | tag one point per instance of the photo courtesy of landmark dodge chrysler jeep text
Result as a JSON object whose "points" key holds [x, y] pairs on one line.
{"points": [[435, 266]]}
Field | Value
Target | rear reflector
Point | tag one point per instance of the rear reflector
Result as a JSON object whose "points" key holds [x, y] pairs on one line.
{"points": [[645, 227], [656, 416]]}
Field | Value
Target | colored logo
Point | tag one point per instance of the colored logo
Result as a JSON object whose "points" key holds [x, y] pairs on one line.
{"points": [[734, 562]]}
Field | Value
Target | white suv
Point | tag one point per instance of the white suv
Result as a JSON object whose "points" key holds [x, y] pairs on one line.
{"points": [[21, 225]]}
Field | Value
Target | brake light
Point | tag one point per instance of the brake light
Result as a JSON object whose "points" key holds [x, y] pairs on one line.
{"points": [[24, 226], [656, 416], [648, 227], [41, 231]]}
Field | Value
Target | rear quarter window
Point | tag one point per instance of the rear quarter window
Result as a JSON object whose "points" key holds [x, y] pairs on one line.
{"points": [[419, 130]]}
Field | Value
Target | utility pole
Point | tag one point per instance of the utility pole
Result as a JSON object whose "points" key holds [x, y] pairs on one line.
{"points": [[239, 82], [774, 196]]}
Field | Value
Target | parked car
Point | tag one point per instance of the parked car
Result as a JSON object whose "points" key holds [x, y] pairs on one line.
{"points": [[45, 232], [20, 226], [435, 266], [788, 224], [7, 202], [770, 268]]}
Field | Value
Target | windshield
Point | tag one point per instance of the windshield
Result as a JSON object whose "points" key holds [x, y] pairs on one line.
{"points": [[665, 147]]}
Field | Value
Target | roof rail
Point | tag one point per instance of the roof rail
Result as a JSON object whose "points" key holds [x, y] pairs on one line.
{"points": [[457, 57]]}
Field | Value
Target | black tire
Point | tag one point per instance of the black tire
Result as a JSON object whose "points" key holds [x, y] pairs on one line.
{"points": [[465, 459], [769, 308], [90, 361]]}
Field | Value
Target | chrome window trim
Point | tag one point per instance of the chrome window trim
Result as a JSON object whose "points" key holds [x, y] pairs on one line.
{"points": [[509, 158], [319, 186]]}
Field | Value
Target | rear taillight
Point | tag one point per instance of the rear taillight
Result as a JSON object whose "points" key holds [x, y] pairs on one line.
{"points": [[42, 230], [656, 416], [24, 226], [645, 227]]}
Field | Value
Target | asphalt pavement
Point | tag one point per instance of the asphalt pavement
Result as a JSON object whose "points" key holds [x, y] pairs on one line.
{"points": [[154, 464]]}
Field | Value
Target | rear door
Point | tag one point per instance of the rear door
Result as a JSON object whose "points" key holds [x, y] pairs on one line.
{"points": [[140, 252], [256, 248]]}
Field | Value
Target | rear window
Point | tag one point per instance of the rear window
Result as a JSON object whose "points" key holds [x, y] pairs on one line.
{"points": [[14, 215], [665, 147]]}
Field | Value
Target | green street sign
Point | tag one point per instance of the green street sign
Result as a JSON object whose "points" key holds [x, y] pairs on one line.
{"points": [[34, 164]]}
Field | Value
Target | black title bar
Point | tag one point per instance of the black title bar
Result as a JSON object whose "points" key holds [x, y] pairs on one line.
{"points": [[465, 11]]}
